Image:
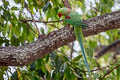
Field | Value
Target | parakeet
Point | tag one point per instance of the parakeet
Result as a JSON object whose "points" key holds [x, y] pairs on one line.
{"points": [[74, 18]]}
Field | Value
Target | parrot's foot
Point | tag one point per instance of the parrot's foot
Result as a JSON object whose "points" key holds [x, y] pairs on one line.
{"points": [[84, 26]]}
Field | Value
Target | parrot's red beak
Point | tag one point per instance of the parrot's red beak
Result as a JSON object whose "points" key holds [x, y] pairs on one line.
{"points": [[59, 14]]}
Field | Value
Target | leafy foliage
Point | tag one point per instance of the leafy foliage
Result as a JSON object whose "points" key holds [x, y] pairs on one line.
{"points": [[58, 65]]}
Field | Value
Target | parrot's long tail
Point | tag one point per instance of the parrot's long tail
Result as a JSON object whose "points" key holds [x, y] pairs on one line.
{"points": [[78, 34]]}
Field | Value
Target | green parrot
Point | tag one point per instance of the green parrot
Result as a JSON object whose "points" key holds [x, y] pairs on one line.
{"points": [[74, 18]]}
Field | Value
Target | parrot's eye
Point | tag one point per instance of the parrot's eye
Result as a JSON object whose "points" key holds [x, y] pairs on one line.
{"points": [[59, 14]]}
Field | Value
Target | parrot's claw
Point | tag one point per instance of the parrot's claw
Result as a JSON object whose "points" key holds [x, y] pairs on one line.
{"points": [[84, 26]]}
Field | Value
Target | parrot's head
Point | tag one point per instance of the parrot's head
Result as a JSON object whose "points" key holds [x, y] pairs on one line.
{"points": [[63, 11]]}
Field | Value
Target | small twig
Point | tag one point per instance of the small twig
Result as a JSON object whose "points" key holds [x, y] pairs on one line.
{"points": [[102, 67], [31, 28], [108, 72], [32, 18], [98, 69], [71, 50], [41, 21]]}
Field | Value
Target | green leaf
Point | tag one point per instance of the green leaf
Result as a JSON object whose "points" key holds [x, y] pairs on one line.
{"points": [[77, 58], [17, 1], [14, 8], [6, 3], [22, 2], [15, 41], [14, 76], [118, 73]]}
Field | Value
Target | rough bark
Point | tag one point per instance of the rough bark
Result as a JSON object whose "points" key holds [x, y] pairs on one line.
{"points": [[21, 55]]}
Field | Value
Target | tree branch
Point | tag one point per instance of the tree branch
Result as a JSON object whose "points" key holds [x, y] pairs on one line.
{"points": [[38, 21], [66, 4], [113, 47], [21, 55]]}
